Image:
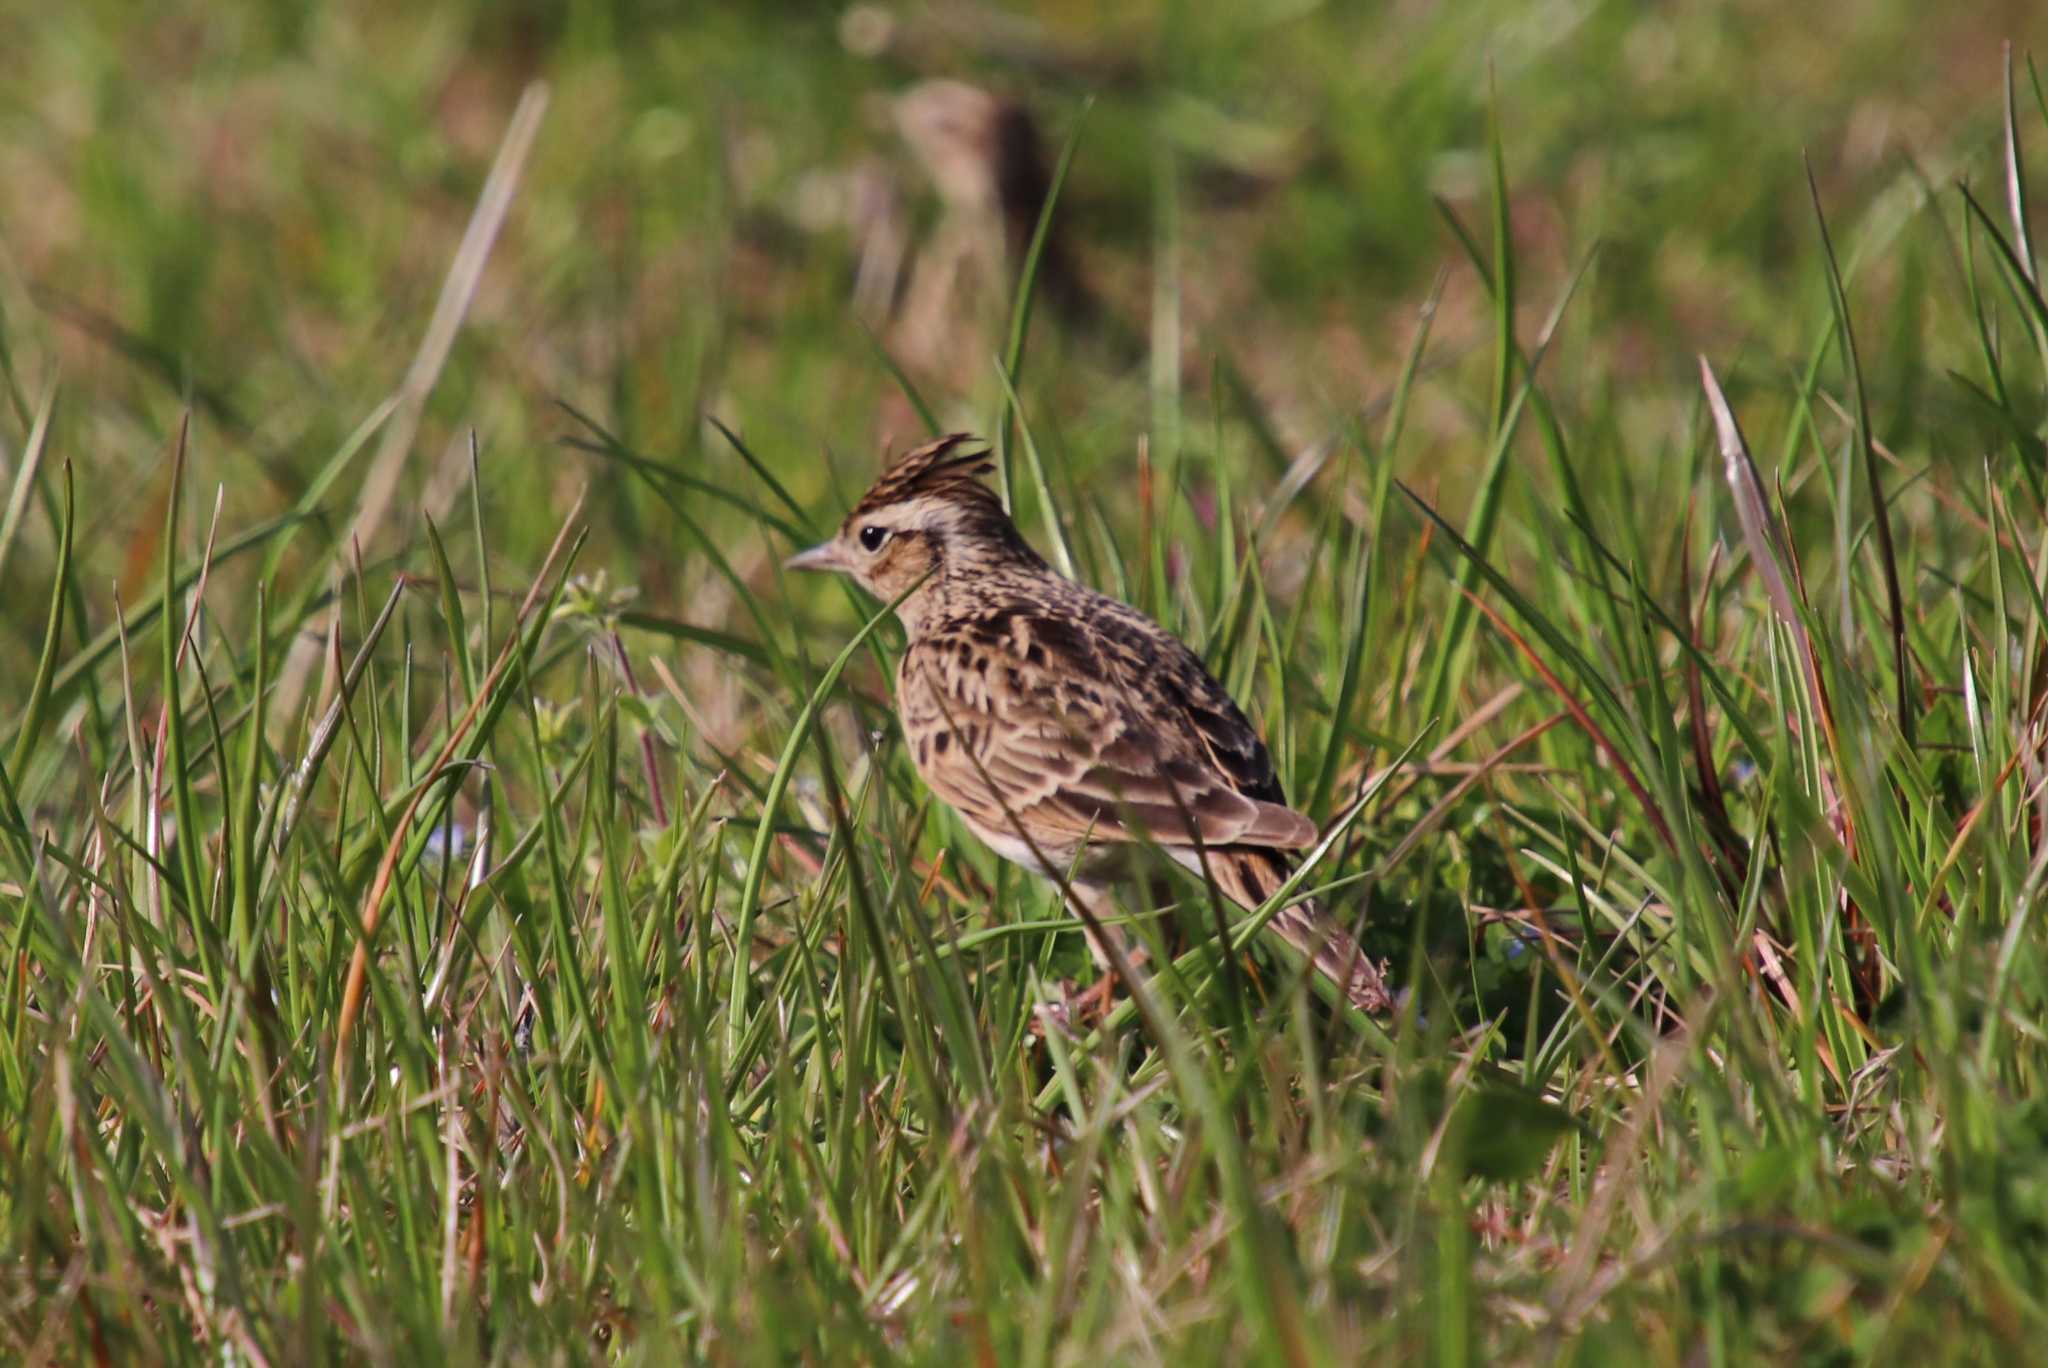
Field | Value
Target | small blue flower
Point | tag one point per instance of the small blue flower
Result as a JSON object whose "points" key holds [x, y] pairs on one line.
{"points": [[447, 842]]}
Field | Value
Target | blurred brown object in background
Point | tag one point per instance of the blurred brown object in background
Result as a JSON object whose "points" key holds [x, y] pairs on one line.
{"points": [[984, 157]]}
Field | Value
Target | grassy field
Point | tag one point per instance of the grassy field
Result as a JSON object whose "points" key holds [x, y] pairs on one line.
{"points": [[462, 903]]}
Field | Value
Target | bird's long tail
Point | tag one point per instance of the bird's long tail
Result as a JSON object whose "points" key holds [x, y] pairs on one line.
{"points": [[1248, 875]]}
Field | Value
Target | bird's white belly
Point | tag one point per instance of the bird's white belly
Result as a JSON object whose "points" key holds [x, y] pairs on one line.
{"points": [[1050, 862]]}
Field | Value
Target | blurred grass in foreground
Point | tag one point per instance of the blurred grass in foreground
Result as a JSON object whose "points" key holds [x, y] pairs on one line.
{"points": [[375, 885]]}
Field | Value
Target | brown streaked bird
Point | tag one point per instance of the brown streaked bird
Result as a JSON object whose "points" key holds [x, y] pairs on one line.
{"points": [[1063, 726]]}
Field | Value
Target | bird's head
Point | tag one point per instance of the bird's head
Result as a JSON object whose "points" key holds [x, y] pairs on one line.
{"points": [[928, 520]]}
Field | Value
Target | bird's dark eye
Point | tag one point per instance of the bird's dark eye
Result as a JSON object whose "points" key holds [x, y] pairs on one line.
{"points": [[872, 537]]}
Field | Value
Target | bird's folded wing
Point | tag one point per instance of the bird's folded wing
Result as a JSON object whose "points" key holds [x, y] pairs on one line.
{"points": [[1030, 753]]}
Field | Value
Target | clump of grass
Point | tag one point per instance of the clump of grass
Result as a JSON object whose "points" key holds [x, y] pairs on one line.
{"points": [[431, 951]]}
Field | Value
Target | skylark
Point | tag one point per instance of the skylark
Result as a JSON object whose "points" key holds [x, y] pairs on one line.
{"points": [[1064, 727]]}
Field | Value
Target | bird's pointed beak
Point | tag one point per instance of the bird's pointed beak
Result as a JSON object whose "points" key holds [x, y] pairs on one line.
{"points": [[823, 556]]}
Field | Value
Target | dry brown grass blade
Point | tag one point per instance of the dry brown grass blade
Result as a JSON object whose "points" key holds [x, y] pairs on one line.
{"points": [[1590, 1268], [1969, 826], [1483, 772], [380, 484], [25, 476], [1767, 548], [187, 638], [1579, 715], [1359, 778], [2016, 180], [464, 273], [1442, 807], [373, 902], [1770, 554]]}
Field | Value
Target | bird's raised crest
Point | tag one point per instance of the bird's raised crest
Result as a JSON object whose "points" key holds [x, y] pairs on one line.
{"points": [[934, 468]]}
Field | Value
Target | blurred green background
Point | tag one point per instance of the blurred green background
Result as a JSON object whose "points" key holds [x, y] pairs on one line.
{"points": [[250, 209]]}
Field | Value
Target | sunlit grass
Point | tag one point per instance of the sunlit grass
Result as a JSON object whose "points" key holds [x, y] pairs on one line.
{"points": [[516, 932]]}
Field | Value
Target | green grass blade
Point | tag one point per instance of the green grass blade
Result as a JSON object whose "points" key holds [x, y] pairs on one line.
{"points": [[46, 666]]}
